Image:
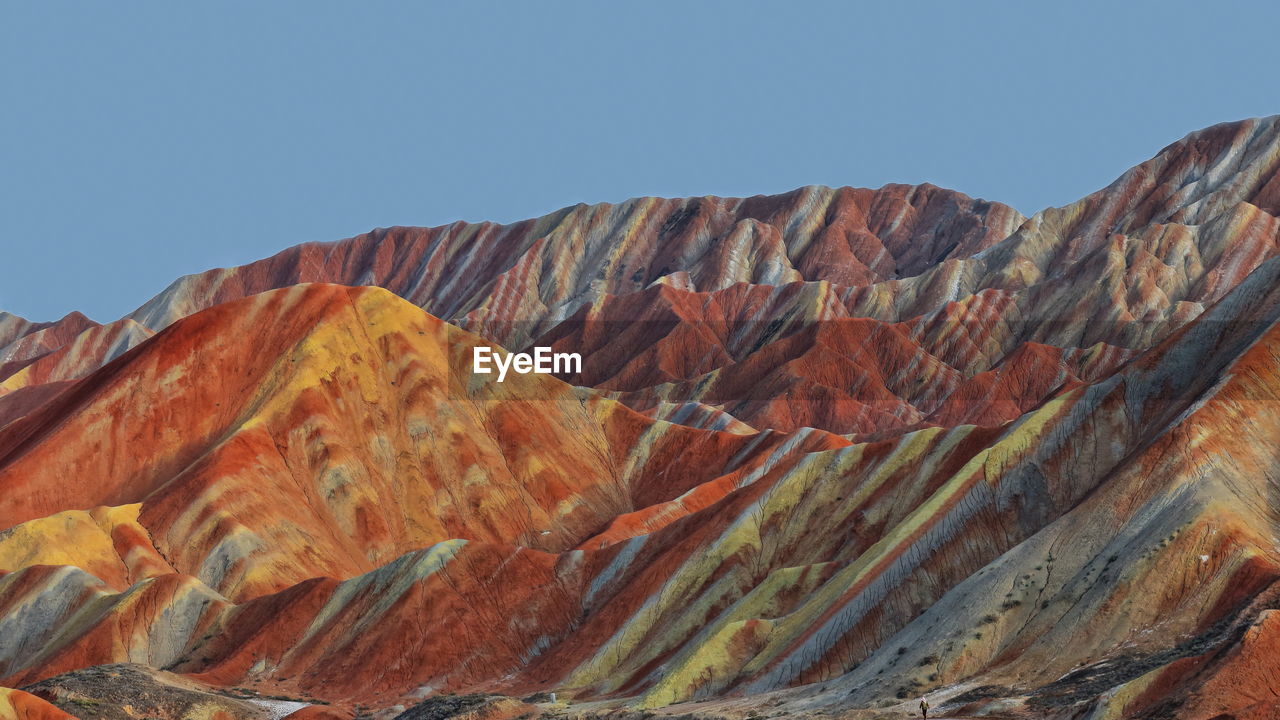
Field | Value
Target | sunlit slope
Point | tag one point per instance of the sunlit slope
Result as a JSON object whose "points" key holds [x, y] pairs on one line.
{"points": [[319, 431], [324, 430], [18, 705]]}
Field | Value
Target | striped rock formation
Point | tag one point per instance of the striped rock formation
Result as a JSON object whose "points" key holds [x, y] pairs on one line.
{"points": [[970, 281], [828, 451]]}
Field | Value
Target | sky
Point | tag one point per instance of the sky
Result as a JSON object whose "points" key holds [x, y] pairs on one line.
{"points": [[142, 141]]}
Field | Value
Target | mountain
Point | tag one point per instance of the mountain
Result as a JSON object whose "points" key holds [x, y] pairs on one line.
{"points": [[827, 452]]}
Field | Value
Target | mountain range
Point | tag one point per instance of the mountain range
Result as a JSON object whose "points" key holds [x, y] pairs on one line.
{"points": [[828, 452]]}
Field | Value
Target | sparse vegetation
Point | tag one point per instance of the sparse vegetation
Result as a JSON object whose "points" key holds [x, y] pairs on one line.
{"points": [[441, 707]]}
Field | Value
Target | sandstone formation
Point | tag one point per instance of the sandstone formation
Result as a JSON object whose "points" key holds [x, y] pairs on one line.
{"points": [[828, 451]]}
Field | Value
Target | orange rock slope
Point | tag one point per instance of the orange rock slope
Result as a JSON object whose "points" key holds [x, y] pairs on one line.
{"points": [[18, 705], [828, 451]]}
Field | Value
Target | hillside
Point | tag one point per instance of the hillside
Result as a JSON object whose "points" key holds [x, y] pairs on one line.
{"points": [[829, 451]]}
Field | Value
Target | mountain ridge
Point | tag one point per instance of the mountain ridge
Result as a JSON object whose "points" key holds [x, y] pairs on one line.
{"points": [[924, 446]]}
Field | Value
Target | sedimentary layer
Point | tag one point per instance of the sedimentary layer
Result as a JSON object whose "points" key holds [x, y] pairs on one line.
{"points": [[832, 449]]}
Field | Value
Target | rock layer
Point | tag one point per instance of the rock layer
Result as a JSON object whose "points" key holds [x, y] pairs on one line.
{"points": [[832, 449]]}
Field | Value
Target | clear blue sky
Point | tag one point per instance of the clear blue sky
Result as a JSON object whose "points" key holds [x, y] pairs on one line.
{"points": [[146, 140]]}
